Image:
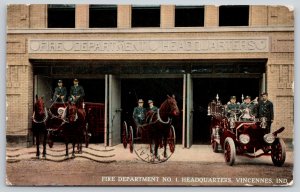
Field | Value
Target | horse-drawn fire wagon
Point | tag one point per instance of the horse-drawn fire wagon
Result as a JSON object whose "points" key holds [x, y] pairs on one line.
{"points": [[235, 136], [154, 141], [70, 122]]}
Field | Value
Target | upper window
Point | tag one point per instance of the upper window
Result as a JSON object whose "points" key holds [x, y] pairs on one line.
{"points": [[61, 16], [103, 16], [189, 16], [234, 15], [145, 16]]}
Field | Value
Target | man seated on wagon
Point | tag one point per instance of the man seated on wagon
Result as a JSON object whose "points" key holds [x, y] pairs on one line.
{"points": [[139, 113], [232, 108], [76, 92], [248, 109], [60, 92]]}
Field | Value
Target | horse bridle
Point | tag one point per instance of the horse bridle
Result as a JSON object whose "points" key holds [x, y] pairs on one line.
{"points": [[42, 121]]}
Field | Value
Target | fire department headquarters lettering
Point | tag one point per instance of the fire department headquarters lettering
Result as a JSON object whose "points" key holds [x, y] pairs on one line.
{"points": [[150, 46]]}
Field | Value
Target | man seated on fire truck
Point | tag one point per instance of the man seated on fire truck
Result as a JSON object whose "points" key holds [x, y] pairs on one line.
{"points": [[248, 109]]}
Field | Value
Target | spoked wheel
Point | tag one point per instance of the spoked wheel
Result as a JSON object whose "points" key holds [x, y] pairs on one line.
{"points": [[278, 152], [229, 151], [145, 147], [172, 139], [130, 139], [125, 134]]}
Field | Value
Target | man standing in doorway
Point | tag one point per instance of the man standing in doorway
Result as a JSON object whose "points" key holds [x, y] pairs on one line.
{"points": [[265, 109], [76, 92], [60, 92]]}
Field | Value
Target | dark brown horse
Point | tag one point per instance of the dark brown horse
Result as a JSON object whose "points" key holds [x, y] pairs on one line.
{"points": [[160, 124], [39, 128], [73, 129]]}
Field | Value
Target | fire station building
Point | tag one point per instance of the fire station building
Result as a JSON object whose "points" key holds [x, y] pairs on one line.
{"points": [[120, 53]]}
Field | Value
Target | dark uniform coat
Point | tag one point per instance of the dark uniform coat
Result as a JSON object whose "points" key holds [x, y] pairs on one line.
{"points": [[77, 91], [251, 106], [61, 91], [265, 109], [232, 107], [154, 109], [139, 114]]}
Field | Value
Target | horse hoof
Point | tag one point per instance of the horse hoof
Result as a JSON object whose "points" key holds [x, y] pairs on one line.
{"points": [[37, 157], [66, 156]]}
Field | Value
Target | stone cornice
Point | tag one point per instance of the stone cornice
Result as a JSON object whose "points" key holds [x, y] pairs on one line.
{"points": [[152, 30]]}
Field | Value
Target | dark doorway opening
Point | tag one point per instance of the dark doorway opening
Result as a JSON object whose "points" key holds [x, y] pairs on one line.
{"points": [[206, 89], [155, 89]]}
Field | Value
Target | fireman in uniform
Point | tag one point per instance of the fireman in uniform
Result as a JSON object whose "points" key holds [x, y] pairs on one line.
{"points": [[139, 113], [60, 92], [248, 109], [76, 92], [232, 106], [152, 107], [265, 109]]}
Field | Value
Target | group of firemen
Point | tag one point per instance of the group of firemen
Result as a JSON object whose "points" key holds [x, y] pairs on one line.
{"points": [[248, 109], [139, 112], [60, 92], [251, 109]]}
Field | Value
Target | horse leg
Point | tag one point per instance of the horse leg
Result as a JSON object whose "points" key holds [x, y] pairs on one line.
{"points": [[44, 145], [165, 146], [37, 145], [73, 152], [67, 150]]}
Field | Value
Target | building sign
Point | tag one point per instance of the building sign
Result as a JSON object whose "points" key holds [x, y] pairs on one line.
{"points": [[224, 45]]}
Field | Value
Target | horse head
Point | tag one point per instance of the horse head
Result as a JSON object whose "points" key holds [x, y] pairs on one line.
{"points": [[72, 113], [172, 105], [39, 109]]}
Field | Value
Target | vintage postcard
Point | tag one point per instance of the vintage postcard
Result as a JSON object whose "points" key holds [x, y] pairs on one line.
{"points": [[149, 95]]}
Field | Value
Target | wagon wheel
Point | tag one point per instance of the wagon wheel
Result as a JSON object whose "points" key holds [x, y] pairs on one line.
{"points": [[125, 134], [229, 151], [172, 139], [278, 152], [145, 148], [87, 136], [130, 139]]}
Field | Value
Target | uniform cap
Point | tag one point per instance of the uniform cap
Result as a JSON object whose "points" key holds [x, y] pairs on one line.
{"points": [[59, 81], [247, 97], [264, 93], [76, 80], [140, 101], [233, 97], [150, 101]]}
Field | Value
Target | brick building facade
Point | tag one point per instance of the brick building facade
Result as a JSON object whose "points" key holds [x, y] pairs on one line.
{"points": [[35, 51]]}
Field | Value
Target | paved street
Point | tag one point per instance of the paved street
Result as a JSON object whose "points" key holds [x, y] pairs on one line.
{"points": [[99, 165]]}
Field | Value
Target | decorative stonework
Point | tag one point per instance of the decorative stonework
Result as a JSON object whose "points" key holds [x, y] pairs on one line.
{"points": [[16, 46], [284, 73], [282, 45], [217, 45]]}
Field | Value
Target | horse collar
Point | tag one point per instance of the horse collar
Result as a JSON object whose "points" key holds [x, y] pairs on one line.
{"points": [[160, 120]]}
